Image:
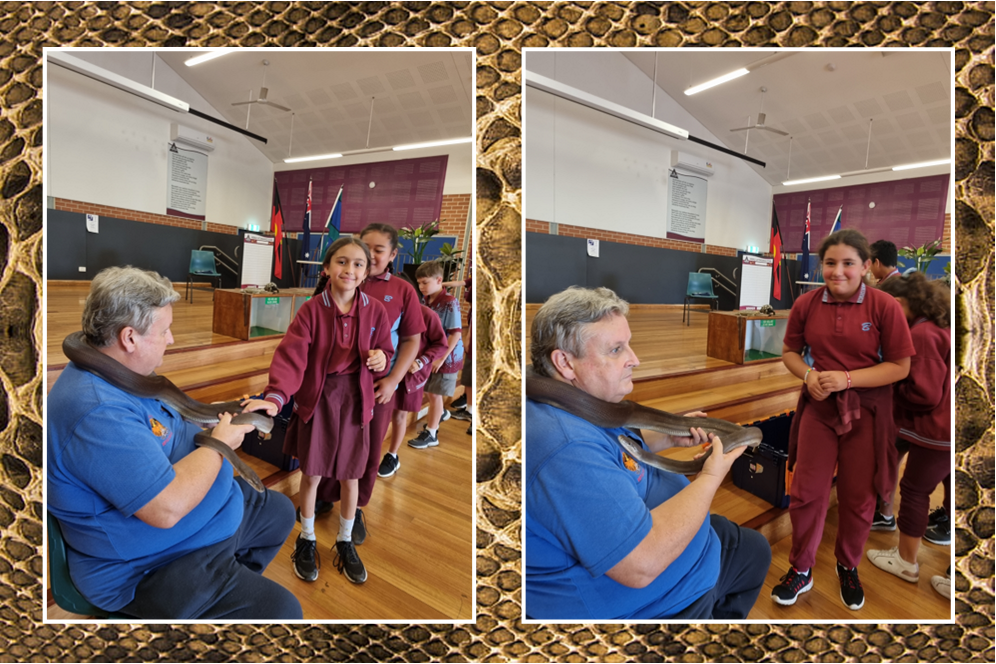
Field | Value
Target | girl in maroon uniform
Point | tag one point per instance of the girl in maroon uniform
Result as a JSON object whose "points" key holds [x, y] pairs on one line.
{"points": [[337, 345], [860, 344], [406, 326], [923, 415]]}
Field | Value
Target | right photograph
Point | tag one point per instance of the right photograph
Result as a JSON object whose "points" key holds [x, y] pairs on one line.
{"points": [[737, 335]]}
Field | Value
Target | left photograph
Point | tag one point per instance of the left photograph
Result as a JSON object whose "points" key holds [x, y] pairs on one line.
{"points": [[259, 367]]}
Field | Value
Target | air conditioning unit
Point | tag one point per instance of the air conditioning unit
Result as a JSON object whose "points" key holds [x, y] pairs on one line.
{"points": [[191, 137], [688, 162]]}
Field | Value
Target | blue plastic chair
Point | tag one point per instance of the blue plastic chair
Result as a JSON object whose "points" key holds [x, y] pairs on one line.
{"points": [[201, 265], [699, 288], [64, 591]]}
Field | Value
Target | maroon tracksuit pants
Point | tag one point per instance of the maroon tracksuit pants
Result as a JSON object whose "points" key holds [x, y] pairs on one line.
{"points": [[925, 469]]}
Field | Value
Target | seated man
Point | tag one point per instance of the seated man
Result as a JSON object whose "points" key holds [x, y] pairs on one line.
{"points": [[155, 527], [884, 257], [608, 538]]}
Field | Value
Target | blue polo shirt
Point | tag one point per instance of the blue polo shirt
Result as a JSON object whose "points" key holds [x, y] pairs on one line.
{"points": [[587, 507], [109, 454]]}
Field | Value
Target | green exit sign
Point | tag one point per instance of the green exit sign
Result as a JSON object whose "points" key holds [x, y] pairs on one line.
{"points": [[276, 300], [768, 323]]}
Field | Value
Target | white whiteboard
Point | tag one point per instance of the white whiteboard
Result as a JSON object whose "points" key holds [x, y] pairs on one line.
{"points": [[755, 282], [257, 260]]}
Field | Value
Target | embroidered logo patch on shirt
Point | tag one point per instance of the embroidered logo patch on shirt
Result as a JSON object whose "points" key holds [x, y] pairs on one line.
{"points": [[388, 298], [159, 430], [630, 463], [865, 327]]}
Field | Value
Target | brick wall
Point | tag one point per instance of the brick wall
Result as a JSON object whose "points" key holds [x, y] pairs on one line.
{"points": [[145, 217], [946, 240], [533, 226], [452, 217]]}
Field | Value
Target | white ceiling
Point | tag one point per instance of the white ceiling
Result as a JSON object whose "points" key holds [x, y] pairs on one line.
{"points": [[907, 94], [419, 96]]}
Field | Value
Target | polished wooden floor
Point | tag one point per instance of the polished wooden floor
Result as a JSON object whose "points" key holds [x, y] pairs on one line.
{"points": [[419, 551]]}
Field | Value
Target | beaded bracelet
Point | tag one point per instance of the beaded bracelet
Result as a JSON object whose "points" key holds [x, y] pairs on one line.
{"points": [[848, 374], [807, 374]]}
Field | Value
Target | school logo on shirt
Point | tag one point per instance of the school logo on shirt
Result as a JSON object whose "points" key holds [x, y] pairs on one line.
{"points": [[159, 430], [388, 298], [865, 327], [630, 463]]}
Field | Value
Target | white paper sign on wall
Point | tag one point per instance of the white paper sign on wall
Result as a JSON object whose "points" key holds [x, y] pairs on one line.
{"points": [[92, 223], [593, 248]]}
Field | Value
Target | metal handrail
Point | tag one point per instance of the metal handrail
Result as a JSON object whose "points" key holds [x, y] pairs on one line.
{"points": [[218, 253], [718, 282]]}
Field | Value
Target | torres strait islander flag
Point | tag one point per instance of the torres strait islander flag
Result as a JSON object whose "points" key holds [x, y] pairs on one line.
{"points": [[277, 226]]}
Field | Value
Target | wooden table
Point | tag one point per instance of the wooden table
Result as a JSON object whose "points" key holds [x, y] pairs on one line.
{"points": [[739, 339], [252, 316]]}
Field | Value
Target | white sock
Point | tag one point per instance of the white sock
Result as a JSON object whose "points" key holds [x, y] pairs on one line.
{"points": [[469, 408], [308, 528], [345, 530], [432, 432], [802, 571], [393, 454]]}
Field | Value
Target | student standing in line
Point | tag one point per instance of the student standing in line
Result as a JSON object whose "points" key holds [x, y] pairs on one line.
{"points": [[463, 407], [860, 345], [922, 407], [335, 347], [406, 326], [884, 258], [432, 347], [442, 383]]}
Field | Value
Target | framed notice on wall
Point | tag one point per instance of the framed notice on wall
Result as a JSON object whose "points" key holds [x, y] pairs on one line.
{"points": [[686, 207], [186, 183]]}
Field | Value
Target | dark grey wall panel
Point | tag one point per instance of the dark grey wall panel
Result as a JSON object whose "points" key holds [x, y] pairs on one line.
{"points": [[165, 249], [553, 263], [640, 275]]}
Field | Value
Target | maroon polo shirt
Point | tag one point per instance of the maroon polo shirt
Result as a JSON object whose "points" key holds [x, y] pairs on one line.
{"points": [[866, 329], [345, 357]]}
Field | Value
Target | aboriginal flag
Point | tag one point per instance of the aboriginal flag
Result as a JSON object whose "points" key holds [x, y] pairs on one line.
{"points": [[776, 251], [277, 226]]}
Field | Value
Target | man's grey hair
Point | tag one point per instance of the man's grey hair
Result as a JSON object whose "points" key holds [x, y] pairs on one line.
{"points": [[123, 297], [562, 322]]}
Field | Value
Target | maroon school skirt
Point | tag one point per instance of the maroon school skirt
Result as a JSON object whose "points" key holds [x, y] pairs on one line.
{"points": [[334, 443]]}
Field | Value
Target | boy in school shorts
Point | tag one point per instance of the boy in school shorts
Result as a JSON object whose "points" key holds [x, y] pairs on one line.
{"points": [[443, 380]]}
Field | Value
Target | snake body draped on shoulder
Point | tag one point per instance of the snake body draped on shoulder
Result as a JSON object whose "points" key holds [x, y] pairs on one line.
{"points": [[636, 416], [83, 355]]}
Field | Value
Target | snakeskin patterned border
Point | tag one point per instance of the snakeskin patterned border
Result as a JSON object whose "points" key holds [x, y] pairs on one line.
{"points": [[498, 30]]}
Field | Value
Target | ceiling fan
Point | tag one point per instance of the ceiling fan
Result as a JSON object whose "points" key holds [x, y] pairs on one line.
{"points": [[262, 95], [760, 120]]}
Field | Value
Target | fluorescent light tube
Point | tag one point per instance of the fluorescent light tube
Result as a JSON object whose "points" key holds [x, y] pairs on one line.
{"points": [[906, 167], [415, 146], [313, 158], [211, 55], [558, 89], [808, 180], [716, 81], [120, 82]]}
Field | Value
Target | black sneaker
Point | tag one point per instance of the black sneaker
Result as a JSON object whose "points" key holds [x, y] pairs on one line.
{"points": [[348, 562], [938, 516], [851, 592], [463, 414], [388, 465], [423, 440], [940, 533], [321, 507], [882, 522], [793, 584], [470, 430], [459, 402], [306, 560], [445, 416], [359, 528]]}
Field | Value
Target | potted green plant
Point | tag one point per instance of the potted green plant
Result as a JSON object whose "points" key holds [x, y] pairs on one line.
{"points": [[450, 260], [419, 237], [922, 255]]}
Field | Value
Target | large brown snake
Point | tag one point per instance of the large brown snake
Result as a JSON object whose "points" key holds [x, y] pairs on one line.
{"points": [[152, 386], [633, 415]]}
